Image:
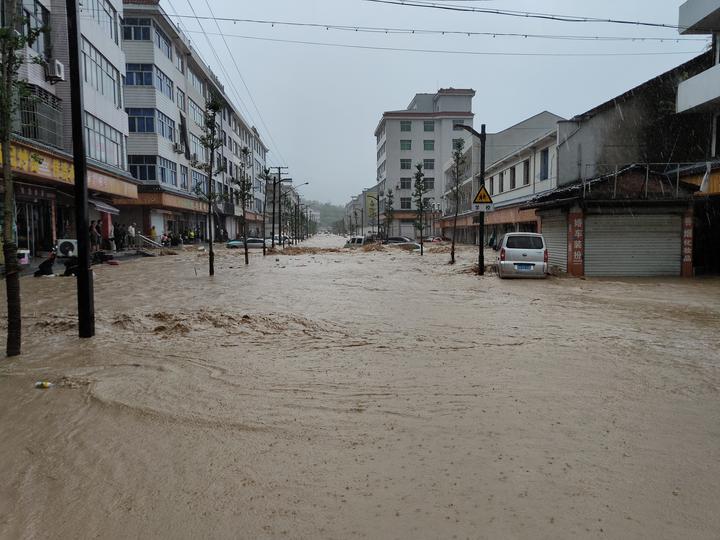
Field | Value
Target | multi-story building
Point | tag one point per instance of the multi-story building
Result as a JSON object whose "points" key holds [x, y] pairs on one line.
{"points": [[521, 162], [422, 133], [625, 203], [41, 152], [166, 86], [700, 94]]}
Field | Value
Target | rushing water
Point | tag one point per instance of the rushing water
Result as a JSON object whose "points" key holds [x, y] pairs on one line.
{"points": [[376, 394]]}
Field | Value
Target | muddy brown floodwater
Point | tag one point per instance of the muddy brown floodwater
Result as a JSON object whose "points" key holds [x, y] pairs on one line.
{"points": [[329, 394]]}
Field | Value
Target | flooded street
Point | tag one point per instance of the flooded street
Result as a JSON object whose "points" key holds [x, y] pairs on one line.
{"points": [[362, 395]]}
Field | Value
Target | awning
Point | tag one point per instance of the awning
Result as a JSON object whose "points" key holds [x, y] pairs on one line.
{"points": [[104, 207]]}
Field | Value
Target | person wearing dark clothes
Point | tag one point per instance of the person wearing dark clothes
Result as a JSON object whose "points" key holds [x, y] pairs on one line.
{"points": [[93, 237], [71, 266], [120, 237], [46, 267]]}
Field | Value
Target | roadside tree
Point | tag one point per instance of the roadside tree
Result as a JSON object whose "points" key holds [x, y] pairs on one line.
{"points": [[210, 142], [421, 203], [15, 37], [243, 194], [458, 168], [389, 212]]}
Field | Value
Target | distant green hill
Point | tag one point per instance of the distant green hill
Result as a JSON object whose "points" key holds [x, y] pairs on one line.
{"points": [[329, 213]]}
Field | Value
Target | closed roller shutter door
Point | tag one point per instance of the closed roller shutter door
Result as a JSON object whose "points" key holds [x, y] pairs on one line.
{"points": [[554, 230], [407, 229], [633, 245]]}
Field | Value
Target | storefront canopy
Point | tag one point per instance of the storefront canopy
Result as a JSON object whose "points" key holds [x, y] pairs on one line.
{"points": [[104, 207]]}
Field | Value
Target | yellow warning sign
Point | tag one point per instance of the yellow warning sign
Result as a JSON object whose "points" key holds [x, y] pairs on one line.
{"points": [[483, 197]]}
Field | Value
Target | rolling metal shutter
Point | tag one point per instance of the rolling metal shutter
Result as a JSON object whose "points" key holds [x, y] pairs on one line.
{"points": [[555, 231], [633, 245], [407, 229]]}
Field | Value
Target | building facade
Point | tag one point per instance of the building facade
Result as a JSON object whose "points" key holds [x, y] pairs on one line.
{"points": [[166, 86], [521, 161], [41, 152], [700, 94], [423, 133], [626, 202]]}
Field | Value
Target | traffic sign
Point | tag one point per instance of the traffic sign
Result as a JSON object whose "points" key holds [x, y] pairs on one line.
{"points": [[482, 197], [484, 207]]}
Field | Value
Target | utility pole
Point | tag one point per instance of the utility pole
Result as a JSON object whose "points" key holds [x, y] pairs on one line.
{"points": [[297, 223], [275, 183], [85, 289], [481, 218], [481, 248]]}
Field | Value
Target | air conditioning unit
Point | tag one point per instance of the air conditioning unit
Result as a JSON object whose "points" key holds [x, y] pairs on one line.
{"points": [[178, 148], [54, 71], [67, 247]]}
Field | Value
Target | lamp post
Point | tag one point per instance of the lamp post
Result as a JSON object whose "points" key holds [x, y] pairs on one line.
{"points": [[481, 249], [277, 182], [377, 208], [295, 188]]}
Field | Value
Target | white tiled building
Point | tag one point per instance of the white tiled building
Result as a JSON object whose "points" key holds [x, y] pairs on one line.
{"points": [[44, 191], [521, 161], [166, 86], [421, 133]]}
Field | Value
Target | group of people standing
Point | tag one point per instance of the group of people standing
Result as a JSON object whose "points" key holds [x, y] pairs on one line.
{"points": [[115, 239]]}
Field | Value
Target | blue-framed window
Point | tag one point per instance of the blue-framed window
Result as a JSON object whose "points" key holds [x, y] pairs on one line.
{"points": [[163, 83], [143, 167], [139, 74], [135, 29], [141, 120], [165, 126], [168, 171]]}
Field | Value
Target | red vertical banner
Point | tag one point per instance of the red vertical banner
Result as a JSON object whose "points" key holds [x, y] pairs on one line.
{"points": [[576, 243], [687, 243], [106, 219]]}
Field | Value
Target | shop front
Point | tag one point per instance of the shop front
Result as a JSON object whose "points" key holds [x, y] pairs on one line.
{"points": [[706, 245], [634, 225], [44, 198], [156, 212]]}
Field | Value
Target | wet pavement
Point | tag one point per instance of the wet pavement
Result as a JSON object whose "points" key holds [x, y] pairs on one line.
{"points": [[365, 394]]}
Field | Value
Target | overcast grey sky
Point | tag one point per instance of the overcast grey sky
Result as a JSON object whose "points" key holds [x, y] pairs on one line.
{"points": [[322, 104]]}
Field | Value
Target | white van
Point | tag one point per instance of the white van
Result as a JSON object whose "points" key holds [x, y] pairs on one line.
{"points": [[355, 241]]}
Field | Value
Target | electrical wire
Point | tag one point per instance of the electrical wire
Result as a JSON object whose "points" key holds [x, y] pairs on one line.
{"points": [[252, 99], [524, 14], [446, 51], [427, 31], [230, 81]]}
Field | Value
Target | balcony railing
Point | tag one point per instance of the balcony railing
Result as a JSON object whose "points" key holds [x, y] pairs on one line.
{"points": [[39, 117], [225, 207]]}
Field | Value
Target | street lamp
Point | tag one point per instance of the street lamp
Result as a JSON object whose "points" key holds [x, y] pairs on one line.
{"points": [[377, 208], [295, 188], [481, 249], [278, 181]]}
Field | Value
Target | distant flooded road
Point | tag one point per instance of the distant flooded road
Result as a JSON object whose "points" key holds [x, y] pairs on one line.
{"points": [[367, 394]]}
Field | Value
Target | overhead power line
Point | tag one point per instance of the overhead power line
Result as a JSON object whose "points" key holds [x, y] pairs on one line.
{"points": [[230, 81], [523, 14], [446, 51], [252, 99], [428, 31]]}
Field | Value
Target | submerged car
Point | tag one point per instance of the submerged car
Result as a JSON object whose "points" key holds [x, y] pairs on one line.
{"points": [[355, 241], [397, 240], [522, 255], [251, 243]]}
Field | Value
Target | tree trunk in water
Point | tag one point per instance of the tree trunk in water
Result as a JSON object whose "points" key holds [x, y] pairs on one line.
{"points": [[247, 260], [452, 248], [12, 270]]}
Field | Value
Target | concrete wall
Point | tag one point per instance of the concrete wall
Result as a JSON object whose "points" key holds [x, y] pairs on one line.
{"points": [[638, 127]]}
